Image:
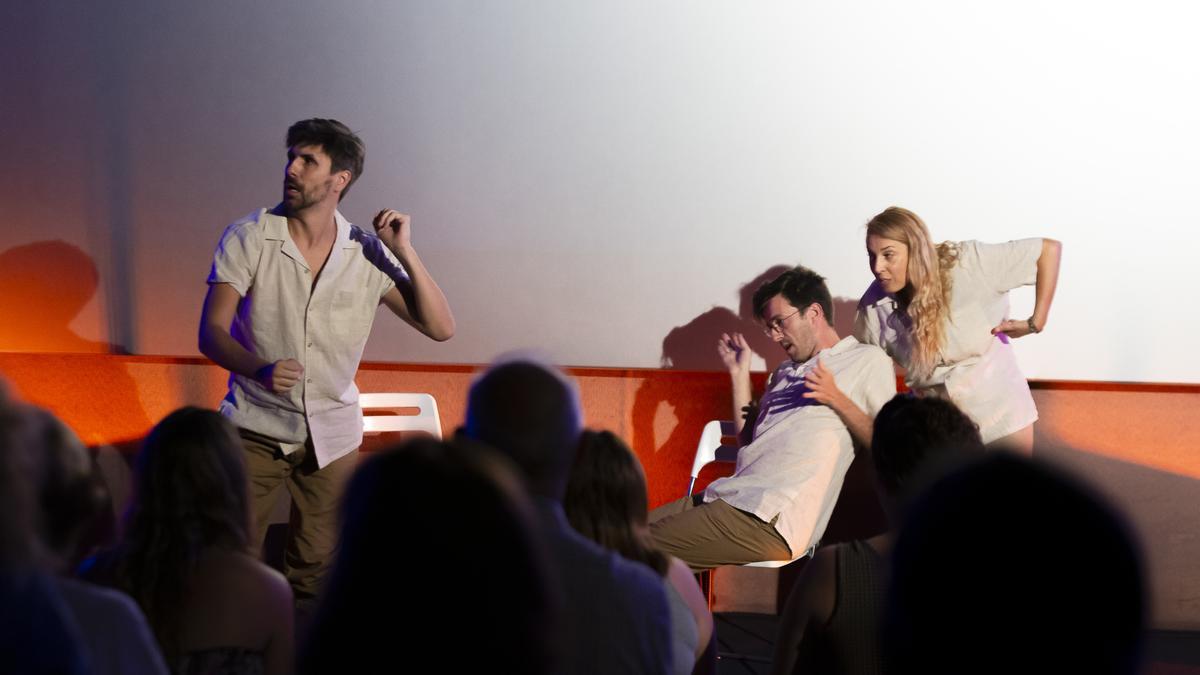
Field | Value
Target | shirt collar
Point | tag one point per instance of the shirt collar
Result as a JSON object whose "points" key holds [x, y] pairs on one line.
{"points": [[275, 227], [840, 346], [343, 231], [875, 296]]}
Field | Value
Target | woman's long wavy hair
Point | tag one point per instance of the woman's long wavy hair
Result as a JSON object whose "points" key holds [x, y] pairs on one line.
{"points": [[190, 494], [926, 297], [606, 499]]}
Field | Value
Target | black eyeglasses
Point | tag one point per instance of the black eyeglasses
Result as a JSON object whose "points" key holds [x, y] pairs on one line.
{"points": [[777, 324]]}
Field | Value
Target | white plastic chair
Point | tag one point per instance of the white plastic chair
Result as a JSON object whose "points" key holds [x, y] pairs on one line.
{"points": [[712, 448], [426, 418]]}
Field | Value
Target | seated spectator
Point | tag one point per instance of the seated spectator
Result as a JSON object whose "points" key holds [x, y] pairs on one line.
{"points": [[615, 617], [37, 634], [1009, 566], [606, 502], [73, 499], [438, 540], [830, 623], [184, 555]]}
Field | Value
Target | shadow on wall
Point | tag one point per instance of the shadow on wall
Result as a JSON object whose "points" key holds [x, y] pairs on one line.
{"points": [[1160, 508], [665, 446], [43, 287]]}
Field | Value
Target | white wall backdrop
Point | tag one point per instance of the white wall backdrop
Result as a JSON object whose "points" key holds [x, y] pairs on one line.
{"points": [[601, 179]]}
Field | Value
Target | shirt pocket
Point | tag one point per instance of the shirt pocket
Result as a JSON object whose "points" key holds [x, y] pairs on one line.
{"points": [[347, 316]]}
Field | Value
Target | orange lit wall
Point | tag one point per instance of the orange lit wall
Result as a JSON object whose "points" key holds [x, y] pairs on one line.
{"points": [[1140, 445]]}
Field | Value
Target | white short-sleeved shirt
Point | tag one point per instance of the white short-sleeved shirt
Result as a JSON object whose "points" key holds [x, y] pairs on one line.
{"points": [[977, 370], [282, 315], [792, 472]]}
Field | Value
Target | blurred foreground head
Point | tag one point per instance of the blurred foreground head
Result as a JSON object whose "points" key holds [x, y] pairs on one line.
{"points": [[1010, 566], [528, 411], [440, 538]]}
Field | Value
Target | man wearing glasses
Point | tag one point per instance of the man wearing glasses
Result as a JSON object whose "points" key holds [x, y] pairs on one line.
{"points": [[796, 443]]}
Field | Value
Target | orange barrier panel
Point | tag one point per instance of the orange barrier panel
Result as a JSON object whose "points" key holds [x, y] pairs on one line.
{"points": [[1139, 444]]}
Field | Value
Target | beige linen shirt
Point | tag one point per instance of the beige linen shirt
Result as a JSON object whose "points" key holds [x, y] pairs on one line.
{"points": [[977, 371], [792, 472], [283, 315]]}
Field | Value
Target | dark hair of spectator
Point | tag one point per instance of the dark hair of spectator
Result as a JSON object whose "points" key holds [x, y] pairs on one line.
{"points": [[915, 436], [530, 413], [442, 534], [190, 494], [1008, 565], [606, 499]]}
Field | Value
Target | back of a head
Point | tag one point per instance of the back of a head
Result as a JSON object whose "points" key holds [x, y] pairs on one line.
{"points": [[440, 532], [1007, 565], [530, 413], [71, 494], [191, 479], [915, 439], [18, 539], [606, 499], [190, 494]]}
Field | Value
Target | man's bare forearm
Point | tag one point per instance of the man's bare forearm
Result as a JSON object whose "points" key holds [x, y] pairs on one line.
{"points": [[219, 346], [429, 308]]}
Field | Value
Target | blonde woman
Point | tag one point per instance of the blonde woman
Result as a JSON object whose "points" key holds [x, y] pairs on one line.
{"points": [[941, 312]]}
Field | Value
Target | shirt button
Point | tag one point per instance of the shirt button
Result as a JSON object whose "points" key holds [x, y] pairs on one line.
{"points": [[310, 345], [309, 380]]}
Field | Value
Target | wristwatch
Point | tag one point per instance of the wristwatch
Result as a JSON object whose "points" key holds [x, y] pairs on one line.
{"points": [[1033, 327]]}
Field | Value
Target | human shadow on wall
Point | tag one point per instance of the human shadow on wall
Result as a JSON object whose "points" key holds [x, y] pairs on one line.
{"points": [[43, 287], [1160, 508], [691, 347]]}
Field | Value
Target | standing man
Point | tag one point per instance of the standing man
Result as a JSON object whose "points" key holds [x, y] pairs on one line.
{"points": [[778, 501], [291, 297]]}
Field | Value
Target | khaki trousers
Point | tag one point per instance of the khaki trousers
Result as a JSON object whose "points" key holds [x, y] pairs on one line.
{"points": [[714, 534], [316, 496]]}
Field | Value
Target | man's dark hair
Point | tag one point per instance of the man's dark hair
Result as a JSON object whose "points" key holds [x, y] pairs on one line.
{"points": [[801, 287], [345, 149]]}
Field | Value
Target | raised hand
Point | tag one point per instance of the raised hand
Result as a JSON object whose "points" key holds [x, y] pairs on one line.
{"points": [[393, 228], [734, 352], [280, 376]]}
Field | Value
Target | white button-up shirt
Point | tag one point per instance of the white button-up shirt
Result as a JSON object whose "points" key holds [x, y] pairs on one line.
{"points": [[283, 315], [792, 472], [977, 370]]}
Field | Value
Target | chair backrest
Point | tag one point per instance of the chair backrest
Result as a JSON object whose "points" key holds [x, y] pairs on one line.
{"points": [[426, 418], [711, 448]]}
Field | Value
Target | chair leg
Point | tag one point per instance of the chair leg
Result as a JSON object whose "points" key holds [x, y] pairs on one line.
{"points": [[705, 579]]}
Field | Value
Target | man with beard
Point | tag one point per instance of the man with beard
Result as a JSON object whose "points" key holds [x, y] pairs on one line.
{"points": [[291, 298], [797, 439]]}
